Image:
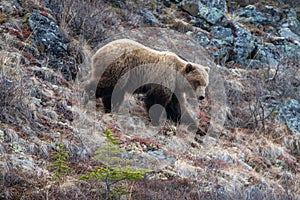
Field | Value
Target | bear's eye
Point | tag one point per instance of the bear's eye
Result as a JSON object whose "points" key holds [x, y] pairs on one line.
{"points": [[196, 84], [189, 68]]}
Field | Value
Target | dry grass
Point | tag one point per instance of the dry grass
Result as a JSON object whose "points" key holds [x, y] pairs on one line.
{"points": [[109, 18]]}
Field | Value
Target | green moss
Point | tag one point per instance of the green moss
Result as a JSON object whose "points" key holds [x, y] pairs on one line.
{"points": [[26, 17], [3, 18]]}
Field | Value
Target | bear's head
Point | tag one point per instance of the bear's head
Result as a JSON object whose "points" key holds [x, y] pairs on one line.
{"points": [[197, 76]]}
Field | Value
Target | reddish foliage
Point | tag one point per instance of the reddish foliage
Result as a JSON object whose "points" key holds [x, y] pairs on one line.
{"points": [[290, 163], [31, 58], [21, 34], [26, 31], [204, 117]]}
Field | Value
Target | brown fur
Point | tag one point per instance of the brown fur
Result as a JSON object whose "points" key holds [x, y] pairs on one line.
{"points": [[123, 64]]}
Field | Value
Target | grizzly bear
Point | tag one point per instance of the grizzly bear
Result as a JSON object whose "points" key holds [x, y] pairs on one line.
{"points": [[127, 66]]}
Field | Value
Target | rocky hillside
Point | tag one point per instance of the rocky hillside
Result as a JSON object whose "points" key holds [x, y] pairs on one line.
{"points": [[251, 116]]}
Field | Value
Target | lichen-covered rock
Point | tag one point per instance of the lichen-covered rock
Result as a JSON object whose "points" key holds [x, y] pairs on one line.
{"points": [[47, 35], [199, 22], [190, 6], [290, 51], [251, 15], [193, 7], [202, 39], [267, 54], [272, 15], [219, 4], [289, 114], [244, 43], [220, 32], [52, 43], [287, 33], [292, 20], [220, 49], [211, 15]]}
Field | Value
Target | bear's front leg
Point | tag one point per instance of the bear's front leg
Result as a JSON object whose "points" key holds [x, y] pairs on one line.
{"points": [[192, 125], [188, 120]]}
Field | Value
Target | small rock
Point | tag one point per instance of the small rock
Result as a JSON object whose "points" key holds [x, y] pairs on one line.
{"points": [[211, 15], [69, 71], [287, 33], [198, 139], [202, 39], [290, 51], [149, 18], [267, 54], [222, 193], [254, 193], [199, 22], [292, 20], [219, 4], [10, 136], [193, 7], [167, 3], [157, 153], [43, 151], [6, 84], [1, 136], [251, 15], [273, 15], [51, 114], [190, 6]]}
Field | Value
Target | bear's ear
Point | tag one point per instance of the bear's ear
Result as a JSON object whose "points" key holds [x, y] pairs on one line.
{"points": [[207, 69], [189, 67]]}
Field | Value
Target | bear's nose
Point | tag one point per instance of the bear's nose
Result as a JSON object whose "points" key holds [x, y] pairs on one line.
{"points": [[201, 97]]}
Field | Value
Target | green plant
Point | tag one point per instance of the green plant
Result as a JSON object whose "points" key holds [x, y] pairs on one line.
{"points": [[60, 164], [115, 169], [3, 18]]}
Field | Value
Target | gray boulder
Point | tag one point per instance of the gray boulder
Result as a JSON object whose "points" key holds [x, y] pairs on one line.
{"points": [[211, 15], [220, 32], [244, 43], [209, 11], [251, 15], [47, 35], [291, 20], [52, 43], [273, 15], [289, 114]]}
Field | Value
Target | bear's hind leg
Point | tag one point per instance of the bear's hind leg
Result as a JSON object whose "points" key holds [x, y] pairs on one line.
{"points": [[173, 110], [179, 114]]}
